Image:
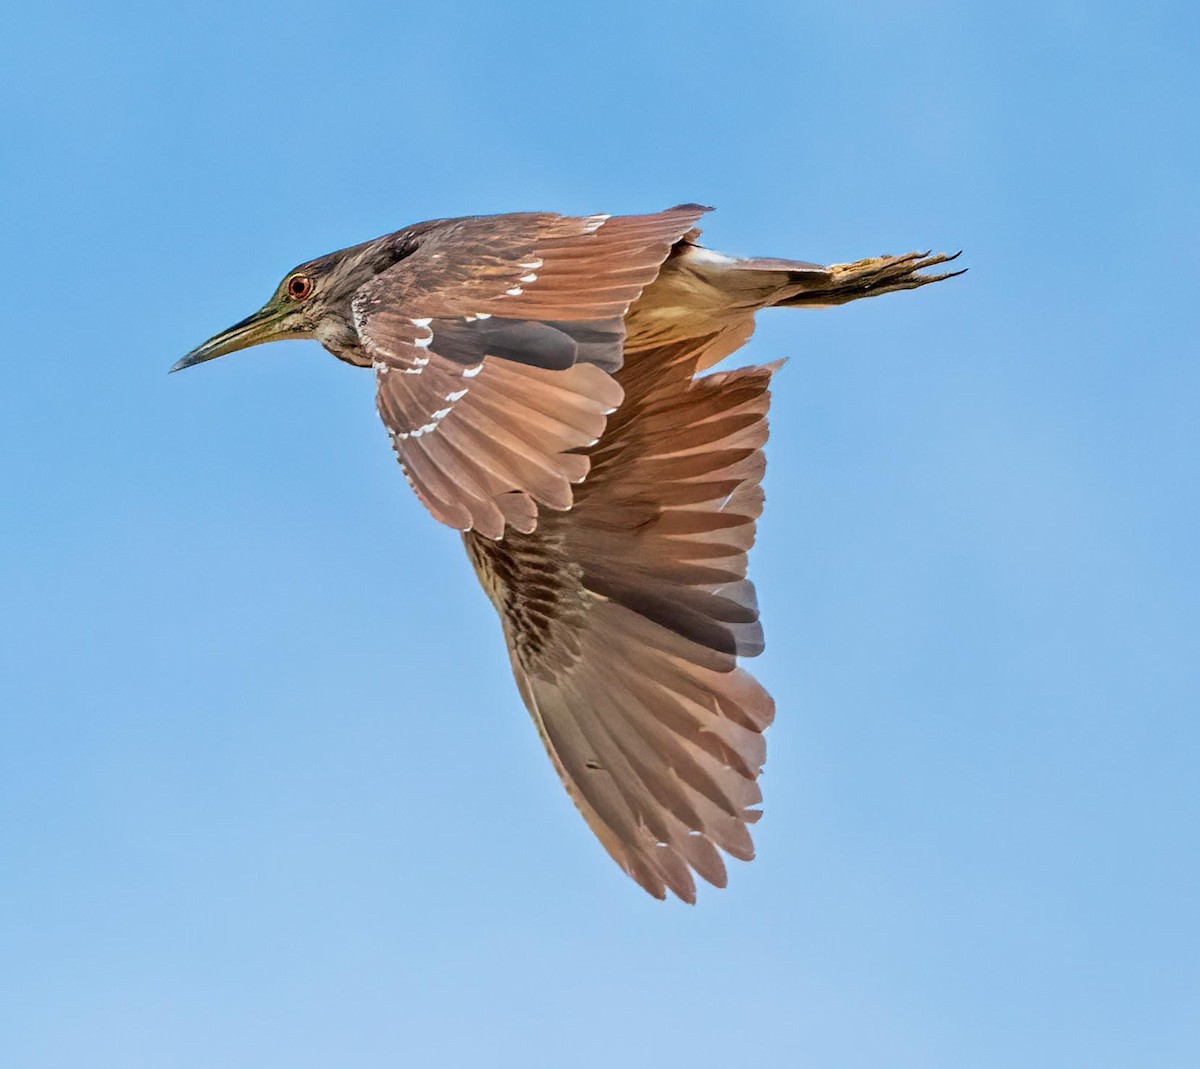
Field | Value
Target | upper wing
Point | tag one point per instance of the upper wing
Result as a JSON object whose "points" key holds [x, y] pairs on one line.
{"points": [[493, 342], [625, 618]]}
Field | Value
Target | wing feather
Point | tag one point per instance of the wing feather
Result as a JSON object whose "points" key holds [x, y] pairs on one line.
{"points": [[625, 618], [449, 325]]}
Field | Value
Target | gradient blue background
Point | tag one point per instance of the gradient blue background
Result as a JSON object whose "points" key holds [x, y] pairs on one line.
{"points": [[267, 793]]}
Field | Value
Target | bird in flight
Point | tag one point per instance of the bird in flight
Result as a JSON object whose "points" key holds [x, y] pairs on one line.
{"points": [[540, 378]]}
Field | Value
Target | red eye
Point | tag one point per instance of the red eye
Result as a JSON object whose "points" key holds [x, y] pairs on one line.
{"points": [[299, 287]]}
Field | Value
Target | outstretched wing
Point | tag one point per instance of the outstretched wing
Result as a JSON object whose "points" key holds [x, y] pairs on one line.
{"points": [[625, 618], [493, 344]]}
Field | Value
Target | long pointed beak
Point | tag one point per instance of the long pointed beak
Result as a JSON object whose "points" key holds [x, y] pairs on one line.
{"points": [[253, 330]]}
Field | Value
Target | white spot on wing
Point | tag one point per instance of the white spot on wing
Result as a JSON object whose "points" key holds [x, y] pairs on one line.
{"points": [[537, 261], [421, 322], [531, 277], [516, 291], [471, 372], [423, 343], [456, 395], [435, 418], [594, 222]]}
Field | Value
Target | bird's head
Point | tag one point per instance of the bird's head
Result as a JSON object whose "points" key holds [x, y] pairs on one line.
{"points": [[312, 301]]}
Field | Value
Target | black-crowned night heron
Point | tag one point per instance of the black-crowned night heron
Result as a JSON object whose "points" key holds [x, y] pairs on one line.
{"points": [[538, 376]]}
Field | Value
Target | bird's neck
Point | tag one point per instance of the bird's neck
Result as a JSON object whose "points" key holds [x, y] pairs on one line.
{"points": [[340, 338]]}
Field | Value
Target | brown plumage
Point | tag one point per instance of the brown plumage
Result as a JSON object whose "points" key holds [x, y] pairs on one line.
{"points": [[539, 378]]}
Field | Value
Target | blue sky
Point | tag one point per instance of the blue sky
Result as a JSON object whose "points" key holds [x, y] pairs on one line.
{"points": [[267, 793]]}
